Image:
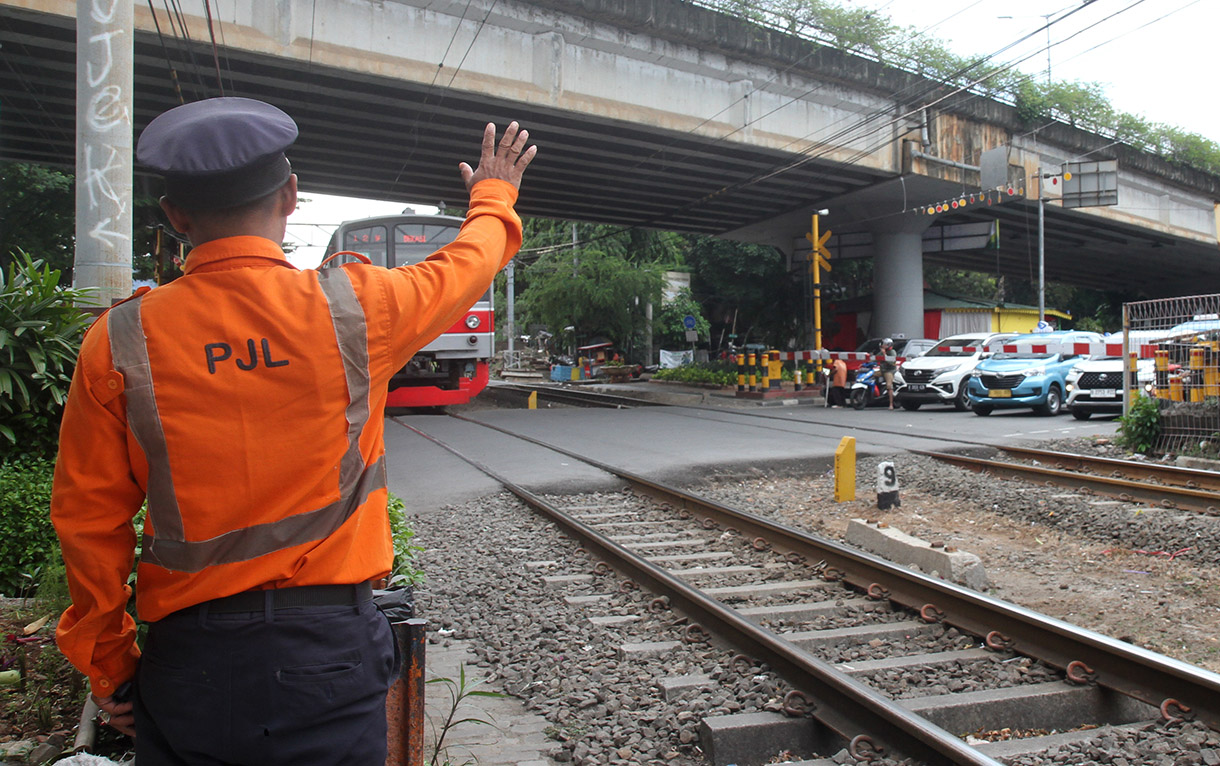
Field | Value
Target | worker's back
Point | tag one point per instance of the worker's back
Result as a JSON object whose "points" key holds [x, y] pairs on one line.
{"points": [[266, 429]]}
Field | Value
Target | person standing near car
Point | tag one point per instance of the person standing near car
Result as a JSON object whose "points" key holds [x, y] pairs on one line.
{"points": [[837, 395], [887, 364], [244, 402]]}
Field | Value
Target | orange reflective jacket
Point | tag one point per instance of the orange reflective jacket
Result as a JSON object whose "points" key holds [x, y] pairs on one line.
{"points": [[244, 402]]}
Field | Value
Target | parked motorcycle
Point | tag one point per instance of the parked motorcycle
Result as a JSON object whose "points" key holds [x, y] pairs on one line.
{"points": [[868, 387]]}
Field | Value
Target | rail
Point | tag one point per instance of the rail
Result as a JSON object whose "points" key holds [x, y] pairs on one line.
{"points": [[1163, 495], [850, 708]]}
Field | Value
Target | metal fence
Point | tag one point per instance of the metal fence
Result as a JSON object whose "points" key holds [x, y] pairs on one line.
{"points": [[1175, 343], [516, 360]]}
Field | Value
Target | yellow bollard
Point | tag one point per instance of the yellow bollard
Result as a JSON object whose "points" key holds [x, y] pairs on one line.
{"points": [[1131, 378], [775, 370], [533, 405], [1196, 374], [1175, 388], [750, 363], [845, 470], [1162, 374], [741, 373], [1211, 374]]}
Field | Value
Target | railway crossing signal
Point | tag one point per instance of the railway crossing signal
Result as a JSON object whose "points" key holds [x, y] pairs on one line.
{"points": [[819, 258]]}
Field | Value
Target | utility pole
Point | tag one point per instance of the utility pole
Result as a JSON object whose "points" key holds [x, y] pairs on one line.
{"points": [[1041, 249], [510, 297], [105, 31], [1054, 178]]}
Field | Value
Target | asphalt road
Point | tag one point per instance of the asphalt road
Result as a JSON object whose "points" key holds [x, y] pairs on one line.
{"points": [[704, 434]]}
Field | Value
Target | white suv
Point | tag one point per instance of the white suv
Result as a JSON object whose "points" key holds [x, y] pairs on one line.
{"points": [[1096, 385], [939, 376]]}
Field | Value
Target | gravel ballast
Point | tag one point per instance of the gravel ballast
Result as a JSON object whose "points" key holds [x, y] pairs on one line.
{"points": [[606, 709]]}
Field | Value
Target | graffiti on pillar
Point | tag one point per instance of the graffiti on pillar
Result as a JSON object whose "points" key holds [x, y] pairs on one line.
{"points": [[105, 112], [98, 183]]}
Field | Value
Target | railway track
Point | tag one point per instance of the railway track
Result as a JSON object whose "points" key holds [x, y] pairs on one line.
{"points": [[1161, 485], [792, 601], [574, 397]]}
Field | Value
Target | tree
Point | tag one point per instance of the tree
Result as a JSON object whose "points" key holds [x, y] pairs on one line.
{"points": [[669, 322], [601, 286], [957, 282], [37, 214], [746, 290]]}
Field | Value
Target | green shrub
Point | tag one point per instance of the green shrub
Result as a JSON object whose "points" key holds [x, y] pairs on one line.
{"points": [[404, 572], [53, 597], [27, 539], [1139, 429], [718, 374], [40, 333]]}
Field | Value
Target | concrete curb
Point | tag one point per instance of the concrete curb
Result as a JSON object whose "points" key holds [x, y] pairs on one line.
{"points": [[901, 548]]}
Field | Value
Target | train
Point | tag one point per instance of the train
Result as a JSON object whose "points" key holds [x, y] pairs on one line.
{"points": [[455, 367]]}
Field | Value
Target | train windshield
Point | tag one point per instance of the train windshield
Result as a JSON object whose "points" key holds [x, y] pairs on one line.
{"points": [[414, 242], [370, 241]]}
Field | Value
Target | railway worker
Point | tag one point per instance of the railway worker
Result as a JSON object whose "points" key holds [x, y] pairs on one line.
{"points": [[837, 395], [244, 401]]}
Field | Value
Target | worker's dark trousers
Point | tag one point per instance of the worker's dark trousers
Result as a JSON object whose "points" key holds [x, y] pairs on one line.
{"points": [[299, 685]]}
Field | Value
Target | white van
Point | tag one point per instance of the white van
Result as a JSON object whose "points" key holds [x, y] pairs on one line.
{"points": [[939, 376]]}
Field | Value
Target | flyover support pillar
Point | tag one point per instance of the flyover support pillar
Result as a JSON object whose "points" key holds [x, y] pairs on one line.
{"points": [[898, 277], [104, 92]]}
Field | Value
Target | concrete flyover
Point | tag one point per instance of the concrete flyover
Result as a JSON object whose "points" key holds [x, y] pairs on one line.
{"points": [[652, 113]]}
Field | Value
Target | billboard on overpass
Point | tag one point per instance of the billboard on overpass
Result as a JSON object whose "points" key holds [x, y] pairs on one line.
{"points": [[1090, 183]]}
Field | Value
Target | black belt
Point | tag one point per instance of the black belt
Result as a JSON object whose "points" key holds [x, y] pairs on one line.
{"points": [[283, 598]]}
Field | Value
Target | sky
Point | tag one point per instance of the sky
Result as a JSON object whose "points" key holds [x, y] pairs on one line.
{"points": [[1152, 57]]}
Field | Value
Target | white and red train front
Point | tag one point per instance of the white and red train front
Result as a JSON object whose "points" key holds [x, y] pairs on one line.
{"points": [[453, 368]]}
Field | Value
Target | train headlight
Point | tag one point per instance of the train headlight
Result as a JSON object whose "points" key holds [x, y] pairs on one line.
{"points": [[472, 340], [473, 321]]}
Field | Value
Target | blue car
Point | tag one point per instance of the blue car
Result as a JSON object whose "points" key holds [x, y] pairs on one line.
{"points": [[1027, 378]]}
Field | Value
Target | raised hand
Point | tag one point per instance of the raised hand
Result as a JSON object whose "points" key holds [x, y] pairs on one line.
{"points": [[506, 161]]}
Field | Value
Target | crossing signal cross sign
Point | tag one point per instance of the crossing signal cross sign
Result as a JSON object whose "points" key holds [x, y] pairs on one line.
{"points": [[820, 255]]}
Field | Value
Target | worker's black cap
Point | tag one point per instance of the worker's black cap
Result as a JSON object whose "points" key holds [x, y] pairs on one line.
{"points": [[219, 152]]}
